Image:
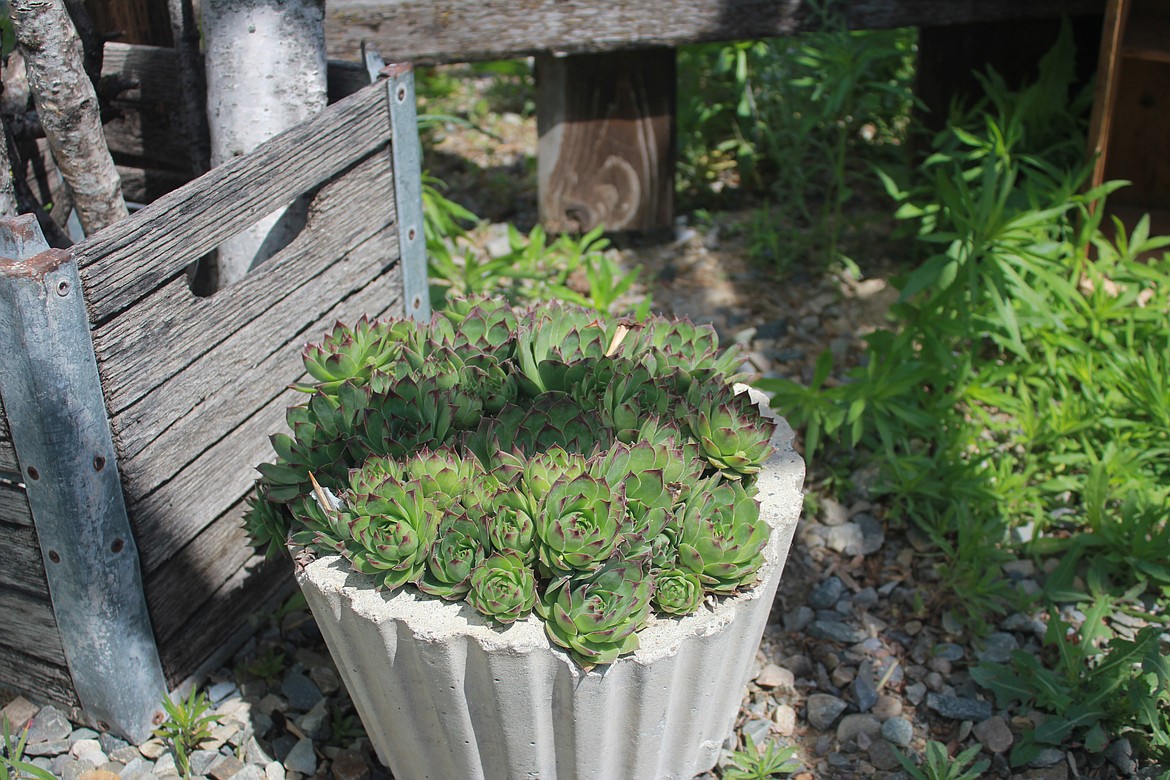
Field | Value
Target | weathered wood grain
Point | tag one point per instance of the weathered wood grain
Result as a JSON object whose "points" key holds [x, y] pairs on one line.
{"points": [[31, 615], [23, 567], [222, 470], [223, 615], [14, 505], [38, 679], [606, 150], [124, 263], [463, 31], [171, 329], [8, 461]]}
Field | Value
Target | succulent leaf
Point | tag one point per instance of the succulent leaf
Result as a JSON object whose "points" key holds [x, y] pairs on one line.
{"points": [[503, 588], [677, 592]]}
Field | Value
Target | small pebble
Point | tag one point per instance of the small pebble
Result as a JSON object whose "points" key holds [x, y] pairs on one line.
{"points": [[858, 723], [898, 731], [301, 758], [827, 593], [887, 707], [958, 708], [785, 720], [994, 734], [775, 676], [997, 648], [823, 710], [49, 725]]}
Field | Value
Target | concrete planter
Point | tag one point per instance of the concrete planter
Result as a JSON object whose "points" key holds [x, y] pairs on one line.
{"points": [[444, 694]]}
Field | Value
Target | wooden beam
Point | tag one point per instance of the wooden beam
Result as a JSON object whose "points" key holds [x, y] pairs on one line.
{"points": [[464, 31], [606, 153]]}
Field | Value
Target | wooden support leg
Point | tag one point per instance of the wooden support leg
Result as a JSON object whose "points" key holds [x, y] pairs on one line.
{"points": [[606, 152]]}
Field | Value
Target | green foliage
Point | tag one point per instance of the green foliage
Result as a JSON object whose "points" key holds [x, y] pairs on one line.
{"points": [[187, 724], [795, 119], [752, 763], [532, 458], [1021, 391], [533, 269], [12, 763], [268, 667], [938, 765]]}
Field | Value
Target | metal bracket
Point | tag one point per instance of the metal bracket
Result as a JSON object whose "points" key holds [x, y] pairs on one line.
{"points": [[407, 160], [57, 416]]}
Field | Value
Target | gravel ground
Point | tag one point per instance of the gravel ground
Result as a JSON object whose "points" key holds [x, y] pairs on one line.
{"points": [[859, 659]]}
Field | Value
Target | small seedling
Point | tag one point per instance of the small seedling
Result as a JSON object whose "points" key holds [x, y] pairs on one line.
{"points": [[187, 725], [751, 763], [938, 765]]}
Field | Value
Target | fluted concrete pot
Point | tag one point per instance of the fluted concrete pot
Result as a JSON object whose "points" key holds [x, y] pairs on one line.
{"points": [[446, 695]]}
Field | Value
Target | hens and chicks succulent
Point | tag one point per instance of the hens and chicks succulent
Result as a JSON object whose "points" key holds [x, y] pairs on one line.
{"points": [[526, 459]]}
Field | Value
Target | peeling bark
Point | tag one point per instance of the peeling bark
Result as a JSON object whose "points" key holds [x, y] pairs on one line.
{"points": [[68, 109]]}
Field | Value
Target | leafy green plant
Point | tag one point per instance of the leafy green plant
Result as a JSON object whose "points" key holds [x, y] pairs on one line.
{"points": [[12, 763], [187, 725], [753, 763], [537, 458], [267, 667], [938, 765]]}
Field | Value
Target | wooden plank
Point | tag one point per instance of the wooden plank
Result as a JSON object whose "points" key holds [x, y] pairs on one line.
{"points": [[222, 615], [171, 329], [38, 679], [33, 615], [124, 262], [23, 566], [219, 475], [606, 151], [8, 461], [1105, 91], [1138, 146], [14, 505], [463, 31]]}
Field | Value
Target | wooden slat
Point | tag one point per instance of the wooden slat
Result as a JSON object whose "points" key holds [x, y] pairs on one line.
{"points": [[38, 679], [464, 31], [8, 462], [125, 262], [14, 505], [22, 566], [223, 615], [31, 615], [221, 474], [172, 331]]}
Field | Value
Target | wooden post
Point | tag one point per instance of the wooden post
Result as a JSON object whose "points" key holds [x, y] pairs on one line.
{"points": [[57, 416], [606, 150]]}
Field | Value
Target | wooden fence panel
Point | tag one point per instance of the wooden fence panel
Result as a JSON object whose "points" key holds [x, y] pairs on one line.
{"points": [[8, 461], [464, 31]]}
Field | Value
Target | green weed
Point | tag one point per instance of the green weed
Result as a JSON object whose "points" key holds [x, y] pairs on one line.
{"points": [[12, 763], [187, 725], [754, 763], [938, 765]]}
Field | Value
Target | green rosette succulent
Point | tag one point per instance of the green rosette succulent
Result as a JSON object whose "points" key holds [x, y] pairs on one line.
{"points": [[316, 527], [461, 542], [677, 592], [578, 525], [355, 353], [732, 435], [268, 524], [596, 618], [391, 534], [722, 537], [322, 430], [511, 525], [503, 588]]}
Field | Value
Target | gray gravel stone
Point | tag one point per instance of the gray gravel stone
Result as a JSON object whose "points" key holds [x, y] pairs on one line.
{"points": [[301, 692], [758, 730], [785, 720], [997, 648], [49, 725], [887, 707], [826, 594], [873, 534], [52, 748], [201, 761], [846, 539], [949, 651], [1049, 756], [994, 734], [250, 772], [836, 631], [797, 620], [864, 689], [915, 693], [301, 758], [898, 731], [958, 708], [350, 766], [833, 513], [881, 755], [1120, 755], [823, 709], [851, 726], [775, 676], [315, 722]]}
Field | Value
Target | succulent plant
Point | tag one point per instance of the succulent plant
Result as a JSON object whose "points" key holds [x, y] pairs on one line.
{"points": [[677, 592], [495, 454], [391, 533], [730, 435], [578, 525], [721, 537], [596, 619], [503, 588]]}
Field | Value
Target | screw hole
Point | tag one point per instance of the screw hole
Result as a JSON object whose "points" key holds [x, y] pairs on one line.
{"points": [[33, 473], [54, 556], [417, 302], [410, 234], [99, 463], [101, 724], [401, 94], [117, 546], [63, 287]]}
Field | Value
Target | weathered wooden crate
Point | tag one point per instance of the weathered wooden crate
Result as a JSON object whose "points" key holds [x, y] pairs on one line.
{"points": [[134, 414]]}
